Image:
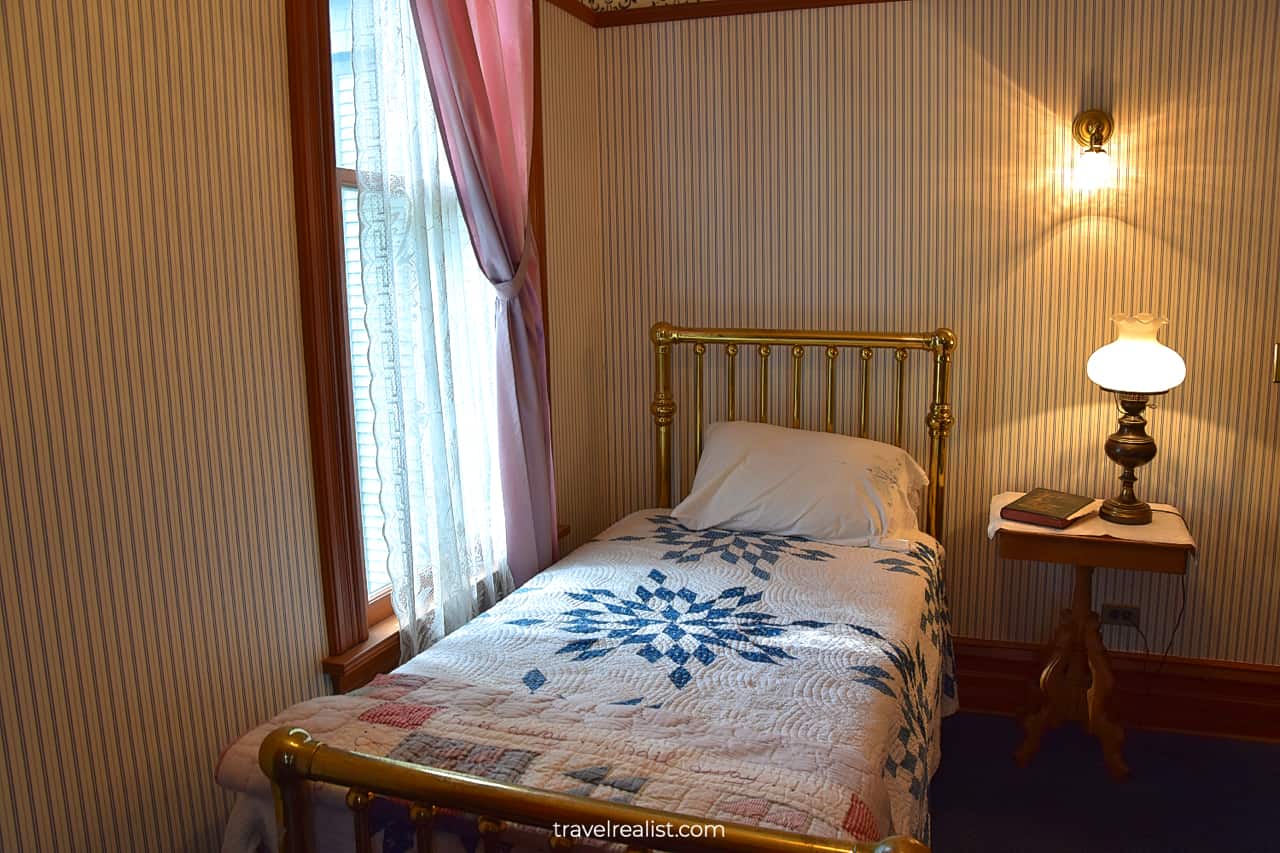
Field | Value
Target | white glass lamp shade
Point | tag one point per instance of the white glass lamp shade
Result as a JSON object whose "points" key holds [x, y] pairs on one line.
{"points": [[1135, 362], [1094, 171]]}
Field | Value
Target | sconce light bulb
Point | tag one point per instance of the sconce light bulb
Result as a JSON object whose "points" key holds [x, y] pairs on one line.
{"points": [[1094, 170]]}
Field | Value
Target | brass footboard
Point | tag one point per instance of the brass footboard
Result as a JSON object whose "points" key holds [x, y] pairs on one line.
{"points": [[291, 758]]}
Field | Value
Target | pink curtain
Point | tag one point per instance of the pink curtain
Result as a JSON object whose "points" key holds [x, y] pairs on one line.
{"points": [[479, 57]]}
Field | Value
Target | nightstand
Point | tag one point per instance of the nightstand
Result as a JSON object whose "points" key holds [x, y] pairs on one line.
{"points": [[1077, 681]]}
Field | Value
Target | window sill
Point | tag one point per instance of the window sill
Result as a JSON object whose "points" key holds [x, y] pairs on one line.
{"points": [[379, 653], [358, 665]]}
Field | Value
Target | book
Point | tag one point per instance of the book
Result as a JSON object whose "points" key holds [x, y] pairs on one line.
{"points": [[1047, 508]]}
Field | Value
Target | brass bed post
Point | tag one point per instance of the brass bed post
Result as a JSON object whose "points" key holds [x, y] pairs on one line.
{"points": [[901, 355], [764, 351], [699, 351], [940, 421], [423, 819], [866, 391], [832, 353], [491, 830], [797, 362], [731, 380], [359, 801], [285, 757], [663, 407]]}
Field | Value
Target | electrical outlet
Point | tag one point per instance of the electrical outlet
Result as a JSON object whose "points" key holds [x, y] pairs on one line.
{"points": [[1120, 614]]}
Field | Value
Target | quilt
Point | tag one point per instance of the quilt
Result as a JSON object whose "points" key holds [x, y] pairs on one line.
{"points": [[769, 680]]}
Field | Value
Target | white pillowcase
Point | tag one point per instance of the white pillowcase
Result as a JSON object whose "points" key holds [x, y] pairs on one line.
{"points": [[762, 478]]}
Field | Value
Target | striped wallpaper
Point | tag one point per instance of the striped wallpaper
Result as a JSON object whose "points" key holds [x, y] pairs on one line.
{"points": [[576, 305], [905, 165], [157, 542]]}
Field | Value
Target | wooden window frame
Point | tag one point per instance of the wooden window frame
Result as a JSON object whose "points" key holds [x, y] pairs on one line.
{"points": [[363, 635], [322, 280]]}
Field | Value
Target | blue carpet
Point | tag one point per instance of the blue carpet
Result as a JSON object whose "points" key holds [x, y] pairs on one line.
{"points": [[1186, 795]]}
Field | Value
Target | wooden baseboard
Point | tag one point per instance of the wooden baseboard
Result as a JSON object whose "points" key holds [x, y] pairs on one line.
{"points": [[1219, 698]]}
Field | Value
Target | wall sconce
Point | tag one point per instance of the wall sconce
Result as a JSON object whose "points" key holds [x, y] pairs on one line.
{"points": [[1094, 168]]}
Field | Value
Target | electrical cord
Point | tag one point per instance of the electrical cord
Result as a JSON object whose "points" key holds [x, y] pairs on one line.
{"points": [[1177, 626], [1150, 675], [1182, 607], [1146, 658], [1146, 646]]}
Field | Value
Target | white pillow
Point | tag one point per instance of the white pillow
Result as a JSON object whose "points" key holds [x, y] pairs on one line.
{"points": [[762, 478]]}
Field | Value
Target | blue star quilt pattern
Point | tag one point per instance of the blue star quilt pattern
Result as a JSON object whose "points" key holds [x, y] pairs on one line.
{"points": [[754, 550], [676, 629], [782, 682], [925, 562]]}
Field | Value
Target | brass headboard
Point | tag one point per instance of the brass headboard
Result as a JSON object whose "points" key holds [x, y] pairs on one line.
{"points": [[939, 419]]}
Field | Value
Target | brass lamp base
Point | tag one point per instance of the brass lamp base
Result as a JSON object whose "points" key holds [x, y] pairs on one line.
{"points": [[1120, 512], [1129, 447]]}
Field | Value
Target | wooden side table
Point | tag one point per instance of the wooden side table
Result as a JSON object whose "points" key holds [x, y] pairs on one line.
{"points": [[1077, 681]]}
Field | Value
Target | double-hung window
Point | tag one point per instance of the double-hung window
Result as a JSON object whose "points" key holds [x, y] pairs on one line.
{"points": [[421, 334]]}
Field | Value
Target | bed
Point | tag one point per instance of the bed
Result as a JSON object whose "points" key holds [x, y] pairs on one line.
{"points": [[778, 692]]}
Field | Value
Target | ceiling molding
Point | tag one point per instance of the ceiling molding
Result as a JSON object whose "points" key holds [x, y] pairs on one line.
{"points": [[691, 9]]}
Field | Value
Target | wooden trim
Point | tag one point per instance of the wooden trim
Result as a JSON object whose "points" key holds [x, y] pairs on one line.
{"points": [[1204, 697], [322, 278], [692, 9], [347, 177], [378, 653], [379, 609], [713, 9], [1096, 551]]}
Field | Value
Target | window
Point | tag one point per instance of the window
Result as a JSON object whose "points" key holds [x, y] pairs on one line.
{"points": [[421, 333], [336, 198]]}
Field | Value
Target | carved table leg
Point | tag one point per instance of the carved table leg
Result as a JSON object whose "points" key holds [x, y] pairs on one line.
{"points": [[1053, 689], [1107, 732], [1077, 681]]}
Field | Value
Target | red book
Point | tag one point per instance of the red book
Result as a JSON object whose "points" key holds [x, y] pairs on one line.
{"points": [[1047, 508]]}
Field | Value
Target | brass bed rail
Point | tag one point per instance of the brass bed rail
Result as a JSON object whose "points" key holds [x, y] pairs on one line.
{"points": [[940, 343], [291, 758]]}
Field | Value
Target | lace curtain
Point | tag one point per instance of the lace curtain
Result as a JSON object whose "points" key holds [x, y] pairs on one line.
{"points": [[430, 315]]}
